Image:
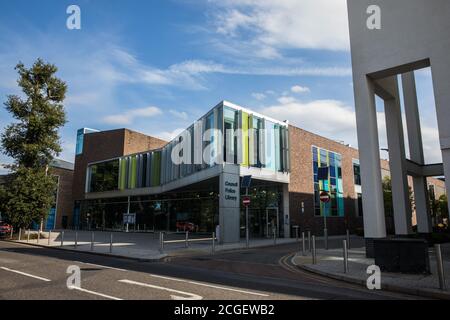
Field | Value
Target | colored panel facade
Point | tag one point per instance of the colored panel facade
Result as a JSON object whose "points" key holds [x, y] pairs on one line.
{"points": [[215, 138], [333, 185]]}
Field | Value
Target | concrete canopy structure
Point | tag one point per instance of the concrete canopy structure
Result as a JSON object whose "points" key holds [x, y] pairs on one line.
{"points": [[408, 35]]}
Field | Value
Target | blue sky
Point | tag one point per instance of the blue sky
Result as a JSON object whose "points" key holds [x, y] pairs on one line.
{"points": [[156, 66]]}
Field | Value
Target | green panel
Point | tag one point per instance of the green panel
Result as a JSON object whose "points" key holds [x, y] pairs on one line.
{"points": [[133, 173], [244, 128], [156, 169], [122, 174]]}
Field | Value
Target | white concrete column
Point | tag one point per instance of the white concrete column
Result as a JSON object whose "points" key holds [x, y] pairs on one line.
{"points": [[420, 187], [440, 68], [397, 163], [229, 204], [369, 155]]}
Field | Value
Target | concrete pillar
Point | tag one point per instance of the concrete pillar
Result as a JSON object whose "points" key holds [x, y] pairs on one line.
{"points": [[369, 155], [286, 218], [397, 163], [229, 204], [440, 68], [420, 187]]}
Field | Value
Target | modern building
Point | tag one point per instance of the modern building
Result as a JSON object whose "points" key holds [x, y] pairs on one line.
{"points": [[193, 182], [389, 41]]}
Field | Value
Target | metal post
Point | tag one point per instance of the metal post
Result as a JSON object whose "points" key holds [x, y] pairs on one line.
{"points": [[161, 242], [127, 228], [111, 243], [325, 238], [309, 241], [20, 233], [138, 227], [76, 239], [303, 244], [314, 261], [440, 266], [296, 233], [344, 245], [92, 241], [145, 228], [49, 237], [28, 236], [39, 236], [274, 237], [213, 248], [348, 239], [187, 239], [12, 230], [62, 238], [247, 235]]}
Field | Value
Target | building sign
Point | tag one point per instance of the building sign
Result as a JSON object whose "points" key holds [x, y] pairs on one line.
{"points": [[129, 218], [231, 190]]}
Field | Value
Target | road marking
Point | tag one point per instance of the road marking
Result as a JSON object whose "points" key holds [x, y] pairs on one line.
{"points": [[93, 292], [26, 274], [192, 296], [101, 266], [210, 285]]}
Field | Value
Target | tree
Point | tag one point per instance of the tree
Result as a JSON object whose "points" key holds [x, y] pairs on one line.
{"points": [[33, 142]]}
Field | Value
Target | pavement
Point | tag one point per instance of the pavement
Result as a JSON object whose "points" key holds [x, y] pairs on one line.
{"points": [[330, 263], [34, 272], [141, 245]]}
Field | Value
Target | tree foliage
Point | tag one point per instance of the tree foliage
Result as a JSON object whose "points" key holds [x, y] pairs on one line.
{"points": [[33, 142]]}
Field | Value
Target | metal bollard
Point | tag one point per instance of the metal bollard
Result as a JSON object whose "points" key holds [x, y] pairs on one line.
{"points": [[138, 227], [247, 238], [161, 242], [20, 233], [92, 240], [213, 248], [111, 243], [76, 239], [12, 230], [325, 238], [313, 254], [274, 237], [28, 236], [186, 241], [49, 237], [309, 241], [348, 239], [440, 267], [344, 246], [303, 244], [62, 238], [39, 236], [296, 233]]}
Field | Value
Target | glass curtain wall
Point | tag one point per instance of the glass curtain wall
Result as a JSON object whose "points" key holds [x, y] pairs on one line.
{"points": [[333, 185], [260, 143]]}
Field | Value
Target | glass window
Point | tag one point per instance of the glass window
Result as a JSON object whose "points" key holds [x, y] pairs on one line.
{"points": [[104, 176], [333, 185]]}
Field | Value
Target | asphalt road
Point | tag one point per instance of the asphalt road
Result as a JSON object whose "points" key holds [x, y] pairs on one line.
{"points": [[28, 272]]}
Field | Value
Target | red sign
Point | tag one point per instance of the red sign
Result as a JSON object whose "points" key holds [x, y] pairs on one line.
{"points": [[324, 197], [246, 201]]}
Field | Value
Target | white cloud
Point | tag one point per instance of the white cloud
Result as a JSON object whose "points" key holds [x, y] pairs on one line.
{"points": [[300, 89], [179, 114], [129, 116], [258, 95], [283, 24], [169, 135]]}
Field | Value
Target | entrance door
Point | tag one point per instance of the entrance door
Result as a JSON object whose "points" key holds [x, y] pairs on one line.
{"points": [[272, 222]]}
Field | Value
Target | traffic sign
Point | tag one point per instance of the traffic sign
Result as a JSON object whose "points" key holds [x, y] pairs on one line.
{"points": [[325, 197], [246, 201], [245, 182]]}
